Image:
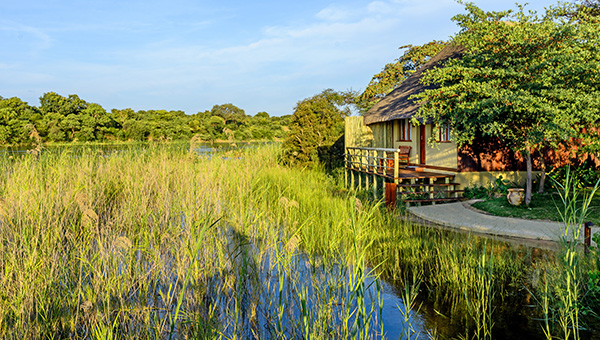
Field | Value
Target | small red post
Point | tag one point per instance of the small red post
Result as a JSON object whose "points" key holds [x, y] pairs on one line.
{"points": [[390, 196], [587, 236]]}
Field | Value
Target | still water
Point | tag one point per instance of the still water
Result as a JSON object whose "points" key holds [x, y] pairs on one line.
{"points": [[512, 312]]}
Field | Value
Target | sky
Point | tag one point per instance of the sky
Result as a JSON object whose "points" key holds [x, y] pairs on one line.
{"points": [[192, 54]]}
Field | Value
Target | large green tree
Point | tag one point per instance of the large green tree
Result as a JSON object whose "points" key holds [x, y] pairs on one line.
{"points": [[16, 119], [530, 81], [394, 73], [317, 123]]}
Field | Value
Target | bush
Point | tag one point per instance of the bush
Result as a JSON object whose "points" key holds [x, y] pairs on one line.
{"points": [[499, 186], [585, 175]]}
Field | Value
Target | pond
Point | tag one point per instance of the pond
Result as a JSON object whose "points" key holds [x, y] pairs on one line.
{"points": [[171, 245]]}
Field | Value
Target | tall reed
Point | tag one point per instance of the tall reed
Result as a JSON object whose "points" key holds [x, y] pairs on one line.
{"points": [[568, 281], [161, 242]]}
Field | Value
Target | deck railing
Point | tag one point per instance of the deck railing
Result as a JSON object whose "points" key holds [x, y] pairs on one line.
{"points": [[380, 161], [373, 166]]}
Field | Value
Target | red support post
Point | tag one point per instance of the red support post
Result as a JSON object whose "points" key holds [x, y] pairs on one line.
{"points": [[390, 196], [587, 236]]}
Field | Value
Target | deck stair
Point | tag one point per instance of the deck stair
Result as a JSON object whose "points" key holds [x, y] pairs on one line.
{"points": [[429, 191]]}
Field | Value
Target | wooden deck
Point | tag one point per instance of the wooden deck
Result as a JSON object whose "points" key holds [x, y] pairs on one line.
{"points": [[373, 165], [403, 173]]}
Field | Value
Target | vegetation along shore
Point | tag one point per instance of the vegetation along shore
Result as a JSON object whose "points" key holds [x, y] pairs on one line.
{"points": [[159, 242], [167, 237]]}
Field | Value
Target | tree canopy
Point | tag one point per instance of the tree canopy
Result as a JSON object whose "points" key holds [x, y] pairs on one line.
{"points": [[394, 73], [70, 118], [317, 123], [528, 80]]}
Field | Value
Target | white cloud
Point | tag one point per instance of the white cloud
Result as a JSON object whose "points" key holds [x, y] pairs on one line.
{"points": [[380, 8], [334, 13], [36, 38]]}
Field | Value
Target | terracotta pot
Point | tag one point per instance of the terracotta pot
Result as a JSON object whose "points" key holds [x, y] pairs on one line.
{"points": [[516, 196]]}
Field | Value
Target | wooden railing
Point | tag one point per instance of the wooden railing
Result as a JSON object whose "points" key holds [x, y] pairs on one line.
{"points": [[375, 160], [372, 166]]}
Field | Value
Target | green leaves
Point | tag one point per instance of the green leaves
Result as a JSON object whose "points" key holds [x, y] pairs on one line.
{"points": [[66, 119], [394, 73], [524, 78], [315, 126]]}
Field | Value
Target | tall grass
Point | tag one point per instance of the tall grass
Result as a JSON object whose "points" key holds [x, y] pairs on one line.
{"points": [[565, 282], [160, 242], [163, 243]]}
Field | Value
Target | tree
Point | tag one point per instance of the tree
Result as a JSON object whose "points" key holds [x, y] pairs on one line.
{"points": [[262, 115], [214, 128], [530, 81], [15, 117], [231, 113], [394, 73], [589, 9], [53, 102], [316, 124]]}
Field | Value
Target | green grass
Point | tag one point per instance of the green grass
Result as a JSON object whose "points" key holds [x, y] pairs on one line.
{"points": [[543, 207], [158, 242]]}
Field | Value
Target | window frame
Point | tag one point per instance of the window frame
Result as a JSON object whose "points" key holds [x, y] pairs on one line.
{"points": [[445, 134], [404, 130]]}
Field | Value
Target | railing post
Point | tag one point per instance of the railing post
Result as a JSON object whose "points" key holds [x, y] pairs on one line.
{"points": [[431, 192], [390, 195], [374, 162], [396, 167], [346, 165], [360, 164], [352, 169], [366, 157]]}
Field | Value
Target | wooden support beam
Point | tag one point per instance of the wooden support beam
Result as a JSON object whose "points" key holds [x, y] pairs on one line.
{"points": [[390, 196], [430, 189], [396, 166]]}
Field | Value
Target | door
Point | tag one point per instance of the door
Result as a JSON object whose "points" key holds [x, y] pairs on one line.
{"points": [[422, 144]]}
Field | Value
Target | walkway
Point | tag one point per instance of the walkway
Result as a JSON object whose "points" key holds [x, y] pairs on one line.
{"points": [[462, 216]]}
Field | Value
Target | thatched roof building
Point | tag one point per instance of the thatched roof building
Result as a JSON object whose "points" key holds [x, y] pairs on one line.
{"points": [[396, 104]]}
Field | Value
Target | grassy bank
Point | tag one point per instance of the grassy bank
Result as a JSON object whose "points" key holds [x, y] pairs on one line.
{"points": [[160, 242], [545, 206]]}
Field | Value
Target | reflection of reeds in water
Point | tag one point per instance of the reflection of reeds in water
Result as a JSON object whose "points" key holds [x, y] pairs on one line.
{"points": [[152, 243], [158, 243]]}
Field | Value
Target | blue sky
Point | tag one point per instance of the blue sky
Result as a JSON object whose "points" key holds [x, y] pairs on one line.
{"points": [[190, 55]]}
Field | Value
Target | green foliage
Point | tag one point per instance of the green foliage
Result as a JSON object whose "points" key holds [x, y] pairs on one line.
{"points": [[317, 123], [582, 176], [530, 81], [523, 78], [394, 73], [476, 191], [66, 119], [498, 187]]}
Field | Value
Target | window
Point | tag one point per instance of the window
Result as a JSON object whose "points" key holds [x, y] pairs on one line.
{"points": [[404, 129], [444, 135]]}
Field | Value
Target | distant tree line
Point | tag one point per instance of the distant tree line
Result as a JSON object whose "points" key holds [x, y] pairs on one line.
{"points": [[68, 119]]}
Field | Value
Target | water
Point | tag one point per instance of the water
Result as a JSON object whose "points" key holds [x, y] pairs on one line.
{"points": [[310, 276]]}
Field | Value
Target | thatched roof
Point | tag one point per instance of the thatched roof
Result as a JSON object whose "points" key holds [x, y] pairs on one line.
{"points": [[396, 105]]}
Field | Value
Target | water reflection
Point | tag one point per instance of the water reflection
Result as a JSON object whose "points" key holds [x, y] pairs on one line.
{"points": [[258, 270]]}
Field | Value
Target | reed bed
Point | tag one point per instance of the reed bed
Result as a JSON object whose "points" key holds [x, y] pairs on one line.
{"points": [[159, 242]]}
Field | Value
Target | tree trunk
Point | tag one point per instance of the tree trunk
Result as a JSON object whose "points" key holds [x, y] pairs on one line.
{"points": [[543, 173], [528, 188]]}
